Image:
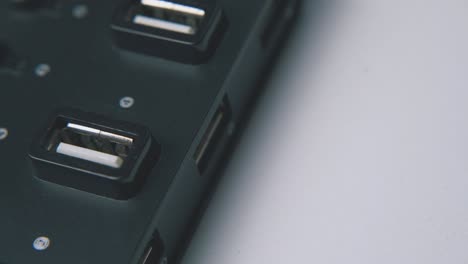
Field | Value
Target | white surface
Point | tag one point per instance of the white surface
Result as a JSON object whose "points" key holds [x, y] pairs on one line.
{"points": [[358, 151]]}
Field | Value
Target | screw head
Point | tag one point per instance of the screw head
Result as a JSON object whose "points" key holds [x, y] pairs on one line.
{"points": [[3, 133], [41, 243], [80, 11], [127, 102], [42, 70]]}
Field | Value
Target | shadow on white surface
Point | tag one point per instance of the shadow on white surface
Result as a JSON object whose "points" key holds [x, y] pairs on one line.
{"points": [[357, 152]]}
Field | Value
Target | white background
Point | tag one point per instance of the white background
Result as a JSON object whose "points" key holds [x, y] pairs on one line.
{"points": [[358, 149]]}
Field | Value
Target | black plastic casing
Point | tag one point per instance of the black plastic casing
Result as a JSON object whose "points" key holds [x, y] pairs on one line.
{"points": [[122, 183], [30, 5], [10, 63], [175, 101]]}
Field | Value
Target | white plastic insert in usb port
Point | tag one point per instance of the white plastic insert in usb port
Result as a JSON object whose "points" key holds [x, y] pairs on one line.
{"points": [[90, 155]]}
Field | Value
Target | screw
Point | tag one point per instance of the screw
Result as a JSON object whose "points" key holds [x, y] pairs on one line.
{"points": [[41, 243], [42, 70], [80, 11], [127, 102], [3, 133]]}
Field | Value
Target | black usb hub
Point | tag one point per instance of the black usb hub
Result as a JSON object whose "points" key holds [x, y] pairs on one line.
{"points": [[115, 120]]}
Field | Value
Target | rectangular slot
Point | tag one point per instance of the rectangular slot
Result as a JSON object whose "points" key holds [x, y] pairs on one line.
{"points": [[216, 129], [280, 13]]}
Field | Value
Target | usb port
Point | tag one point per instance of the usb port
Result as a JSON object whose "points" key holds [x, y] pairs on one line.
{"points": [[208, 145], [94, 154], [180, 30]]}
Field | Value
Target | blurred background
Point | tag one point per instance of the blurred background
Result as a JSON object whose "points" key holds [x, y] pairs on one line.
{"points": [[357, 151]]}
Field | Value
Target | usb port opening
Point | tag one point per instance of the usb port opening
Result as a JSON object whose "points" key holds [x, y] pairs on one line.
{"points": [[181, 30], [212, 136], [95, 154]]}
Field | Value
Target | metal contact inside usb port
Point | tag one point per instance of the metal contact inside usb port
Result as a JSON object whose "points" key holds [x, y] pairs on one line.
{"points": [[90, 144], [169, 16]]}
